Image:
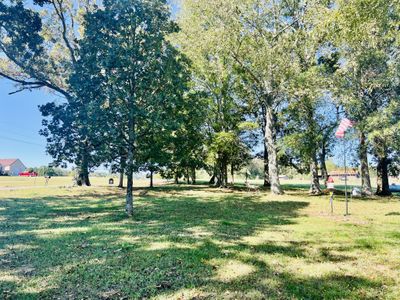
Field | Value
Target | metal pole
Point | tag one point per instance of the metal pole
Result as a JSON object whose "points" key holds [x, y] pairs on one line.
{"points": [[345, 176]]}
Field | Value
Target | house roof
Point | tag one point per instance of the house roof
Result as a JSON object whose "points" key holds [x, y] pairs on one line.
{"points": [[342, 172], [7, 162]]}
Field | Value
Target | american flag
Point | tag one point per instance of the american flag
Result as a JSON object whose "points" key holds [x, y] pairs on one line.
{"points": [[344, 125]]}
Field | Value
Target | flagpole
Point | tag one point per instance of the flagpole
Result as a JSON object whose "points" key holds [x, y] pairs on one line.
{"points": [[345, 175]]}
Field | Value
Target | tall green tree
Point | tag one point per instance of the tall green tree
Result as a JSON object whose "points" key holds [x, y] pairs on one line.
{"points": [[365, 32], [133, 70], [257, 38]]}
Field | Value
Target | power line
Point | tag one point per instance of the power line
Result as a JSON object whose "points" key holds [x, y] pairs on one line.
{"points": [[21, 141]]}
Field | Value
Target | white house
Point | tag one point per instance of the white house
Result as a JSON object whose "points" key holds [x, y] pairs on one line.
{"points": [[12, 167]]}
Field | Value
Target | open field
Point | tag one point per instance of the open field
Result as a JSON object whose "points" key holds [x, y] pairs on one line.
{"points": [[18, 182], [15, 182], [196, 242]]}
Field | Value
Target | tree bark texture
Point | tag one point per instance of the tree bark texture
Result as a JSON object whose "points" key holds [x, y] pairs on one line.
{"points": [[363, 155], [272, 152]]}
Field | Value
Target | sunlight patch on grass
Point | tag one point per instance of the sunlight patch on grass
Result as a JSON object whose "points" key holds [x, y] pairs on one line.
{"points": [[21, 247], [185, 294], [167, 245], [230, 270], [11, 278], [199, 232], [301, 268], [129, 239], [265, 236], [49, 233]]}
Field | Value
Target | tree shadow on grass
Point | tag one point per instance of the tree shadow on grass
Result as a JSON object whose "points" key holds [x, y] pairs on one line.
{"points": [[85, 247]]}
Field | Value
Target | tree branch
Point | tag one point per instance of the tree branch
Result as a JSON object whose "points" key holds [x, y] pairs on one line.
{"points": [[59, 12]]}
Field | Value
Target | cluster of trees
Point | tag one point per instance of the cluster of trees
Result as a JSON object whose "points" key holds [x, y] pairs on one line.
{"points": [[49, 171], [138, 90]]}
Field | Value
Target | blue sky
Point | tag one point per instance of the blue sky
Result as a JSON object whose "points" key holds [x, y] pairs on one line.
{"points": [[20, 122]]}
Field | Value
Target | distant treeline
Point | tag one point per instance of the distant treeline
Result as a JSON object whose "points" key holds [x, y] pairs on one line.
{"points": [[49, 171]]}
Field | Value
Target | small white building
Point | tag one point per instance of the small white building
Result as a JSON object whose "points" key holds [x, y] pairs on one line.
{"points": [[12, 167]]}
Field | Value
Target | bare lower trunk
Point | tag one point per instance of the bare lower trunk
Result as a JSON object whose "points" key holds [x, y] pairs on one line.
{"points": [[267, 182], [222, 173], [324, 170], [129, 189], [193, 176], [272, 152], [233, 175], [83, 173], [129, 194], [212, 180], [365, 177], [176, 179], [383, 177], [121, 180], [315, 188], [151, 179], [187, 176], [122, 172]]}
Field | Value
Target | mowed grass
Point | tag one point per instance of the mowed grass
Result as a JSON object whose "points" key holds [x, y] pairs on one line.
{"points": [[196, 242], [40, 181]]}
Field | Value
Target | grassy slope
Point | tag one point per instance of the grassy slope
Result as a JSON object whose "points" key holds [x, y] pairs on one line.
{"points": [[196, 243]]}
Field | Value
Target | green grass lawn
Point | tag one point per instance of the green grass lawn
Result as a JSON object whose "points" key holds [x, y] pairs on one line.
{"points": [[196, 243]]}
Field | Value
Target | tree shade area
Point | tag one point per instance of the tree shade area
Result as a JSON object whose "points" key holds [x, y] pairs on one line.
{"points": [[213, 95], [195, 243]]}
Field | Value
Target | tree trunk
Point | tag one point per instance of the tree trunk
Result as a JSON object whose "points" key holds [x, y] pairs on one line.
{"points": [[222, 172], [121, 180], [193, 176], [212, 180], [315, 188], [363, 155], [121, 174], [223, 182], [267, 182], [383, 177], [151, 179], [272, 152], [83, 172], [129, 184], [226, 174], [129, 193], [187, 176], [176, 179], [324, 170], [233, 175]]}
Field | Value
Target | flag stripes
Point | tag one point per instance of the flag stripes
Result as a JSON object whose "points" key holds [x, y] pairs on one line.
{"points": [[344, 125]]}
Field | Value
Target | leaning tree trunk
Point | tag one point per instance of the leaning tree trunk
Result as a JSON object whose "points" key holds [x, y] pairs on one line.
{"points": [[315, 188], [267, 182], [272, 152], [383, 177], [363, 155]]}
